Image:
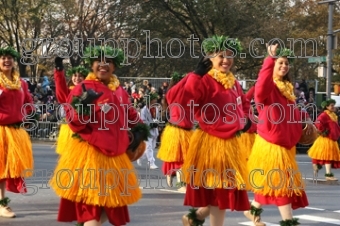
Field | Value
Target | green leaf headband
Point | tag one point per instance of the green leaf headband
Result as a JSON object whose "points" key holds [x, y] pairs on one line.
{"points": [[153, 96], [221, 43], [80, 69], [9, 51], [94, 52], [326, 103], [285, 53], [176, 77]]}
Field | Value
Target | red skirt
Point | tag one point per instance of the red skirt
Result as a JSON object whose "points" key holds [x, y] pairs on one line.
{"points": [[334, 164], [233, 199], [70, 211], [170, 168], [295, 201], [15, 185]]}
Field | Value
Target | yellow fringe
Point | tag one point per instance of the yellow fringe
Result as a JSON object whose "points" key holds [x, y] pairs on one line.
{"points": [[16, 153], [274, 160], [174, 144], [83, 165], [215, 161], [324, 149], [246, 142], [65, 134]]}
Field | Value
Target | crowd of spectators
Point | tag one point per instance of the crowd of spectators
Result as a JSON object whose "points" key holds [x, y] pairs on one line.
{"points": [[47, 106]]}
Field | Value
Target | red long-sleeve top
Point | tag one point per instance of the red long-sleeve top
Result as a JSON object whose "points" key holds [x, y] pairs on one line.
{"points": [[15, 105], [279, 122], [219, 111], [179, 105], [324, 122], [250, 93], [62, 91], [107, 129]]}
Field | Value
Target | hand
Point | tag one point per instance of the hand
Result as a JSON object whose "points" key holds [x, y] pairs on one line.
{"points": [[272, 49], [59, 63], [136, 136], [89, 96], [247, 126], [203, 66], [153, 125], [135, 139]]}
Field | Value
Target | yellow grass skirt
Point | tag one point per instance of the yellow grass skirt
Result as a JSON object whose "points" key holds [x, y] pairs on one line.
{"points": [[64, 135], [280, 174], [246, 142], [213, 162], [16, 153], [324, 149], [84, 174], [174, 144]]}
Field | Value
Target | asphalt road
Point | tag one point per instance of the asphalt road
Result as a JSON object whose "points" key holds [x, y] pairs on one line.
{"points": [[164, 206]]}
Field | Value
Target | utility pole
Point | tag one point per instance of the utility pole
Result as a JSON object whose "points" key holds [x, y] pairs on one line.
{"points": [[330, 38]]}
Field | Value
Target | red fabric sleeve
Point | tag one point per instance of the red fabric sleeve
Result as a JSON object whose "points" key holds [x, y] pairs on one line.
{"points": [[28, 99], [77, 123], [62, 90], [320, 122], [193, 88], [265, 84], [250, 94]]}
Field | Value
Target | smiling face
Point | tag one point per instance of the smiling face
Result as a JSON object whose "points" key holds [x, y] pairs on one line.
{"points": [[77, 78], [222, 61], [281, 67], [6, 63], [103, 71], [331, 107]]}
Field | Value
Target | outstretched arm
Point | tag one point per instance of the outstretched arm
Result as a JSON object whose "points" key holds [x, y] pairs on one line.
{"points": [[61, 89], [265, 83]]}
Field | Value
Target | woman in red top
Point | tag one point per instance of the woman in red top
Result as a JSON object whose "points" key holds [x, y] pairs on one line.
{"points": [[94, 176], [63, 89], [176, 136], [325, 150], [216, 177], [246, 140], [16, 154], [274, 173]]}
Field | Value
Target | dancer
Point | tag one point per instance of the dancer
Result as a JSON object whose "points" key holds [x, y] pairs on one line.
{"points": [[100, 182], [147, 118], [325, 150], [176, 135], [274, 148], [76, 75], [246, 140], [16, 156], [219, 108]]}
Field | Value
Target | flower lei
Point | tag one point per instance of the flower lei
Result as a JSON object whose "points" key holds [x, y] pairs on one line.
{"points": [[113, 84], [332, 115], [226, 79], [286, 89], [5, 82]]}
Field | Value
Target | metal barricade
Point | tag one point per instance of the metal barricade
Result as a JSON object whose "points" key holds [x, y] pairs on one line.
{"points": [[45, 131], [138, 81]]}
